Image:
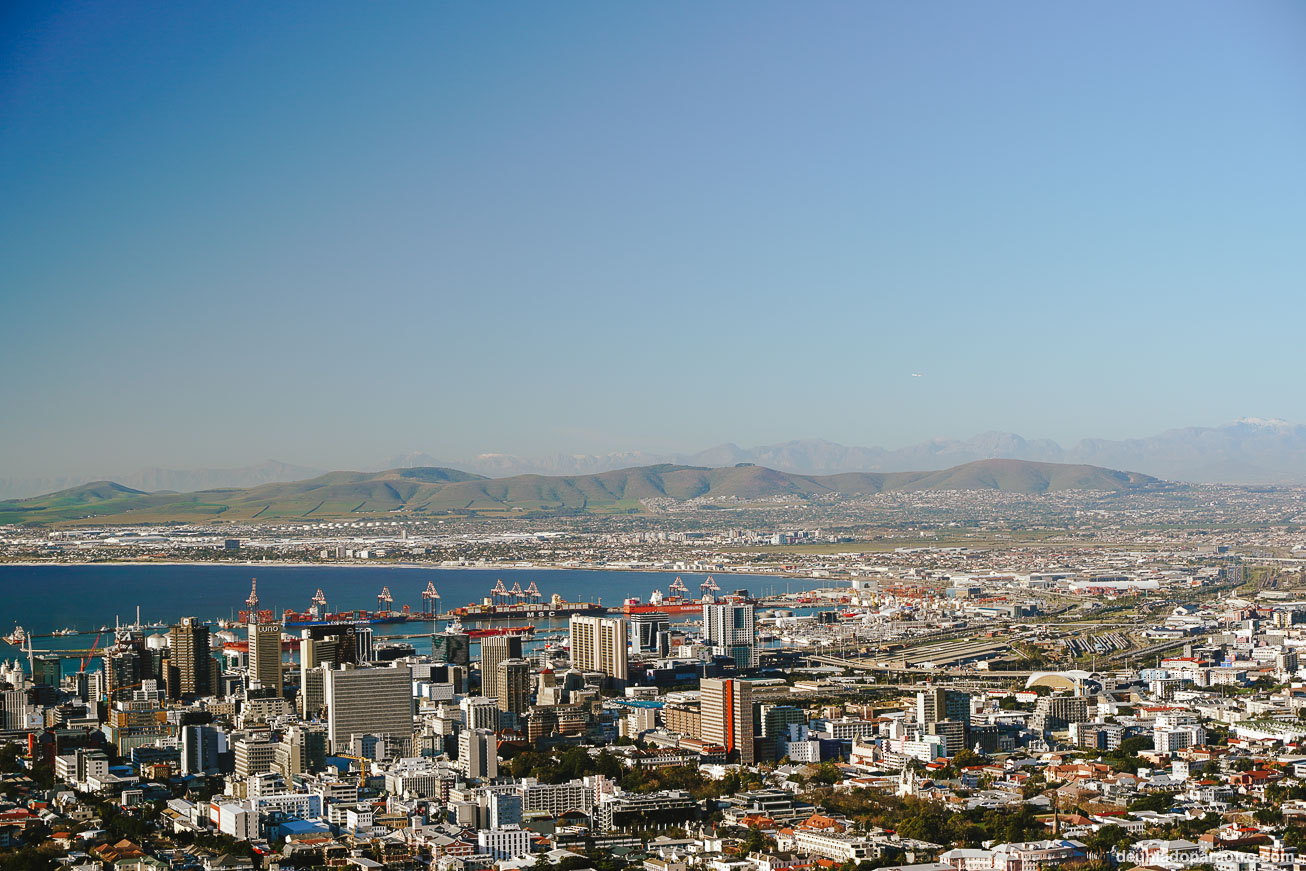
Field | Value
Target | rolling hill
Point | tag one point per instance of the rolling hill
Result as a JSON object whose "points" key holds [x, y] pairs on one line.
{"points": [[435, 491]]}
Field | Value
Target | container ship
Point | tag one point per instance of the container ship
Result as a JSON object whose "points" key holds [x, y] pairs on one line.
{"points": [[677, 604], [508, 604], [488, 631], [502, 604], [318, 615]]}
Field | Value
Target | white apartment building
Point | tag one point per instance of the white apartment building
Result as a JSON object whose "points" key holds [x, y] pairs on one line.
{"points": [[506, 843], [1175, 730], [555, 798], [835, 846], [599, 644]]}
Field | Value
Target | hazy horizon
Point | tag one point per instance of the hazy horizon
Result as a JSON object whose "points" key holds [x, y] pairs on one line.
{"points": [[469, 462], [330, 234]]}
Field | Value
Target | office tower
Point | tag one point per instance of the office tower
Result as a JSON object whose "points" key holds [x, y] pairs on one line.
{"points": [[776, 719], [494, 650], [942, 704], [189, 659], [368, 701], [599, 644], [727, 715], [1053, 713], [504, 809], [303, 748], [650, 633], [46, 671], [452, 647], [364, 644], [124, 668], [199, 750], [337, 642], [512, 685], [730, 629], [953, 733], [255, 754], [478, 753], [313, 655], [479, 713], [265, 656]]}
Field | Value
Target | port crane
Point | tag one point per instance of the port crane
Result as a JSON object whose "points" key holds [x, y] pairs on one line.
{"points": [[384, 600], [430, 599]]}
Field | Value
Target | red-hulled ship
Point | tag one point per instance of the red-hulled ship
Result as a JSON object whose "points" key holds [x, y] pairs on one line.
{"points": [[485, 632], [506, 604], [677, 604]]}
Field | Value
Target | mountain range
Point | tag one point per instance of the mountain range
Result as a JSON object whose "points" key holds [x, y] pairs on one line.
{"points": [[432, 491], [1248, 451]]}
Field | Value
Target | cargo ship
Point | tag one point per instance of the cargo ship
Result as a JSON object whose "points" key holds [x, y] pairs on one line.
{"points": [[677, 604], [296, 620], [488, 631], [507, 604], [318, 615]]}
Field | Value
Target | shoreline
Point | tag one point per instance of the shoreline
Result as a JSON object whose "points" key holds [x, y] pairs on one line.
{"points": [[405, 565]]}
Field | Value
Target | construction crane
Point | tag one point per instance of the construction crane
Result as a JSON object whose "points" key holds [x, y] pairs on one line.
{"points": [[384, 600], [91, 652]]}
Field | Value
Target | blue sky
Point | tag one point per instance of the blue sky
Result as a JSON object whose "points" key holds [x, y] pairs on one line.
{"points": [[332, 232]]}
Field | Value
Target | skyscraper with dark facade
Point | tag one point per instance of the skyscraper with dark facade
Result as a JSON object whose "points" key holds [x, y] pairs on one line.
{"points": [[190, 659]]}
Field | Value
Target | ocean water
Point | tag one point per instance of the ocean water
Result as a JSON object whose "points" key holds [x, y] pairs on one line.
{"points": [[43, 599]]}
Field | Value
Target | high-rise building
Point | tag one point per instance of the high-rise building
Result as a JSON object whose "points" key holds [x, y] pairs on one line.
{"points": [[650, 633], [364, 644], [47, 671], [776, 719], [265, 656], [199, 750], [942, 704], [727, 715], [494, 650], [303, 748], [451, 647], [478, 753], [125, 667], [368, 701], [479, 713], [599, 644], [731, 630], [512, 685], [190, 660]]}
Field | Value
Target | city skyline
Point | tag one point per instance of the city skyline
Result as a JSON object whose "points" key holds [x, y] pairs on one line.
{"points": [[332, 235]]}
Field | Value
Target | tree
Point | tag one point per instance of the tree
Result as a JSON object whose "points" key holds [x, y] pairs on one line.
{"points": [[755, 841], [1156, 802], [828, 774]]}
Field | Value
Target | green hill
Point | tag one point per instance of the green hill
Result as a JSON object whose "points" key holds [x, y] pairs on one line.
{"points": [[435, 491]]}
